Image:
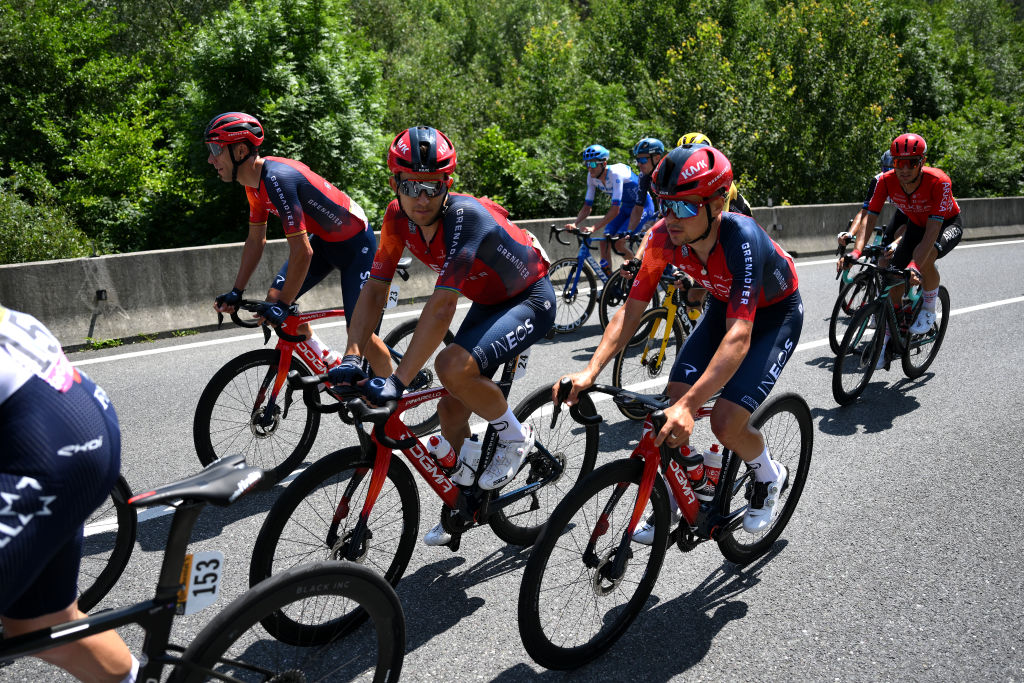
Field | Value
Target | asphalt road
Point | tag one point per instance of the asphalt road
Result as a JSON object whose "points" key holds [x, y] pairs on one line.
{"points": [[904, 559]]}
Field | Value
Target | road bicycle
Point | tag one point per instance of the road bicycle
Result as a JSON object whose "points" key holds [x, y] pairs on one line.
{"points": [[362, 504], [854, 290], [587, 579], [247, 406], [234, 645], [862, 344], [107, 545]]}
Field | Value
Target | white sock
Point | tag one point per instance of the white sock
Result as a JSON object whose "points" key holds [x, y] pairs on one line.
{"points": [[764, 467], [315, 343], [134, 673], [929, 299], [508, 427]]}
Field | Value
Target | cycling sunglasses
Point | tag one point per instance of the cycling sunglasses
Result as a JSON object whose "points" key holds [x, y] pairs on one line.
{"points": [[680, 208], [413, 188], [641, 160], [215, 148], [593, 164], [910, 162]]}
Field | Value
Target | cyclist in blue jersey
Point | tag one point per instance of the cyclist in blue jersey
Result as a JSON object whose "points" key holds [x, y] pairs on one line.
{"points": [[746, 336], [618, 181], [646, 153], [325, 228], [61, 455]]}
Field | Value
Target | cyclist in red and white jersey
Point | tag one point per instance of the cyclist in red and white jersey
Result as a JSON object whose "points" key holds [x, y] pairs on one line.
{"points": [[61, 455], [934, 227], [325, 228], [745, 338], [477, 253]]}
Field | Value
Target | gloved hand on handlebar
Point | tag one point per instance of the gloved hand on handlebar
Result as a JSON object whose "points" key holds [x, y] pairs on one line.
{"points": [[351, 370], [379, 390], [274, 312], [232, 298], [844, 238]]}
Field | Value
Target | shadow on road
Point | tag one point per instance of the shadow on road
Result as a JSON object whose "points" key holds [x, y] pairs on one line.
{"points": [[876, 410]]}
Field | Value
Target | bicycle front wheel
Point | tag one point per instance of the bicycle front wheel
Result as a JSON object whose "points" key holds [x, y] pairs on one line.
{"points": [[574, 296], [613, 296], [852, 297], [647, 361], [233, 416], [785, 423], [583, 586], [858, 354], [921, 349], [572, 446], [421, 419], [235, 645], [315, 518], [108, 544]]}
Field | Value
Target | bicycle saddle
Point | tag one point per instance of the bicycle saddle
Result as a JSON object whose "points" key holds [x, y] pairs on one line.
{"points": [[221, 483]]}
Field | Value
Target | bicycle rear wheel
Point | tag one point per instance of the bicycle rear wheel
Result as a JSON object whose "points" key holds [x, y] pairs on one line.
{"points": [[314, 519], [572, 445], [788, 430], [921, 349], [647, 361], [852, 296], [574, 299], [108, 544], [423, 418], [232, 416], [574, 602], [235, 643], [858, 353]]}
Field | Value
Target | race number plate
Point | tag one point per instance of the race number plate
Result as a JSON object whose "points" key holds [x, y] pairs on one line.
{"points": [[200, 579], [393, 295], [521, 362]]}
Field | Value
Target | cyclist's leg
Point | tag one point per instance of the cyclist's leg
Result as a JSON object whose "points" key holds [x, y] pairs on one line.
{"points": [[319, 267], [62, 452], [353, 260], [615, 233]]}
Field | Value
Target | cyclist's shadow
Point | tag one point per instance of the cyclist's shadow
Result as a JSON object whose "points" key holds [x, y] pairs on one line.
{"points": [[875, 410]]}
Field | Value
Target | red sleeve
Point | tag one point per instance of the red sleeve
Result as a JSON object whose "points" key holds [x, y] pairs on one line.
{"points": [[880, 194], [391, 245], [257, 209], [657, 255]]}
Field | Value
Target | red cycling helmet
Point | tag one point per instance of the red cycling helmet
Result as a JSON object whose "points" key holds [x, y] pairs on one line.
{"points": [[908, 145], [234, 126], [692, 169], [421, 150]]}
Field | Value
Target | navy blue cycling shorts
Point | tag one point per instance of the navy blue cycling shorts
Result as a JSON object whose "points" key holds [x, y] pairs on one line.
{"points": [[496, 333], [352, 258], [617, 226], [773, 340], [61, 457]]}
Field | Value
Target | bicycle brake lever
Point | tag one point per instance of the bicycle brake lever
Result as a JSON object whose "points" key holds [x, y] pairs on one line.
{"points": [[564, 388], [266, 333], [220, 319]]}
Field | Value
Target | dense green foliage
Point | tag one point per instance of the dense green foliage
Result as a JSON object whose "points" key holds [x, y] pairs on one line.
{"points": [[104, 101]]}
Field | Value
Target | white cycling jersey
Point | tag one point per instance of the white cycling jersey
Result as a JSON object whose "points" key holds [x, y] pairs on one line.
{"points": [[27, 348], [619, 181]]}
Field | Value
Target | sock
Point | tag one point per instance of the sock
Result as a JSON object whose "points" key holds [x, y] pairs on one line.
{"points": [[764, 467], [134, 673], [508, 427], [319, 348], [929, 299]]}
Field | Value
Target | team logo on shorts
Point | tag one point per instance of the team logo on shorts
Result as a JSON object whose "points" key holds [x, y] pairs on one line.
{"points": [[481, 357]]}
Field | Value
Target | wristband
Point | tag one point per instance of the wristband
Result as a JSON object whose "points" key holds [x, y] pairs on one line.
{"points": [[913, 266], [855, 254]]}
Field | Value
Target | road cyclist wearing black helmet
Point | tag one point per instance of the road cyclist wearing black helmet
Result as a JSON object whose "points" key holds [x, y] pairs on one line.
{"points": [[325, 228], [748, 333]]}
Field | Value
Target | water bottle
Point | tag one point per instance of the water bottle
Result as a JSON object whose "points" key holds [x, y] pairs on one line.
{"points": [[469, 458], [442, 451], [712, 470], [697, 474]]}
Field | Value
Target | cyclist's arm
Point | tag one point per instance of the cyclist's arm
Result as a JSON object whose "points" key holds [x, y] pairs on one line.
{"points": [[867, 229], [634, 217], [581, 216], [300, 253], [435, 319], [620, 329], [363, 320]]}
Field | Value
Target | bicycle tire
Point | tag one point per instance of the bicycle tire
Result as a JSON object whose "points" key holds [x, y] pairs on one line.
{"points": [[858, 353], [572, 310], [636, 366], [613, 297], [933, 338], [232, 645], [852, 297], [788, 429], [423, 418], [572, 444], [228, 401], [97, 576], [553, 629], [296, 529]]}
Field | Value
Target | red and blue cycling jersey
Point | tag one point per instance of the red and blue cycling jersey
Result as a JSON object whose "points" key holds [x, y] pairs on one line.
{"points": [[476, 251], [304, 202], [933, 198], [746, 269]]}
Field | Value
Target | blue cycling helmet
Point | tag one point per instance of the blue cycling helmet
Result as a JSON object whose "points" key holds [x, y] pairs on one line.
{"points": [[595, 153], [649, 146], [886, 161]]}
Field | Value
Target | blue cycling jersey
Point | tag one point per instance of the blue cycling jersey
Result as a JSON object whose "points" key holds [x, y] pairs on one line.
{"points": [[619, 181]]}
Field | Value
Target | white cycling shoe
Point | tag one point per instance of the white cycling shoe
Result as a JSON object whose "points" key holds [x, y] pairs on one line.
{"points": [[437, 536], [764, 503], [645, 534], [923, 323], [508, 458]]}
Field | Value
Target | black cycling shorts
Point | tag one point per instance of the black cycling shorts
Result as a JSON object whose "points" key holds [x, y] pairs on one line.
{"points": [[950, 234]]}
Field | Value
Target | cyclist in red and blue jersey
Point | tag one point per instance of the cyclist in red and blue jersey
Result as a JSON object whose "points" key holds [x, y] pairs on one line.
{"points": [[477, 253], [748, 333], [60, 458], [934, 226], [618, 181], [325, 229], [893, 230]]}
